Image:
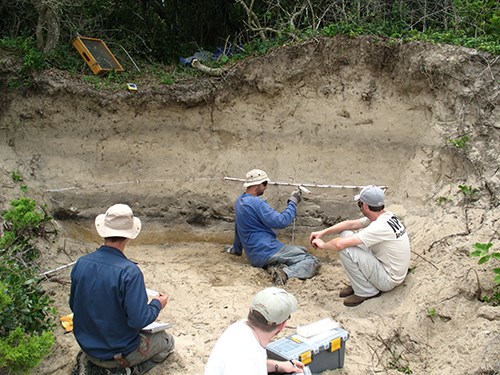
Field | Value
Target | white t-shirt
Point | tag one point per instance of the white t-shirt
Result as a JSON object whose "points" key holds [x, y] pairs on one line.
{"points": [[237, 351], [388, 241]]}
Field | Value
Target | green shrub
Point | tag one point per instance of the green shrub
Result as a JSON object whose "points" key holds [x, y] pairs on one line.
{"points": [[24, 223], [25, 48], [26, 314], [29, 305], [21, 352]]}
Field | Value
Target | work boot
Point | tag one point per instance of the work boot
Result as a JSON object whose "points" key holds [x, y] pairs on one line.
{"points": [[355, 300], [84, 367], [278, 275], [346, 292]]}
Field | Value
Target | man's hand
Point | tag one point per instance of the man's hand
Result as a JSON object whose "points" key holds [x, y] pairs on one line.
{"points": [[290, 366], [163, 298], [296, 197], [315, 235], [318, 243]]}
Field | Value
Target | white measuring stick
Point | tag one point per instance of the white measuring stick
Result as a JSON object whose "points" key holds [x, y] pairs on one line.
{"points": [[57, 269], [304, 190], [306, 184]]}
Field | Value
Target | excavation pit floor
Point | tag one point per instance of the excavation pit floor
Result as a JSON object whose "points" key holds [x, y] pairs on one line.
{"points": [[338, 111]]}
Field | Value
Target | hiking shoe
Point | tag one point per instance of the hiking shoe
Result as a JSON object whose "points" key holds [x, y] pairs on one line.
{"points": [[278, 275], [84, 367], [346, 292], [355, 300]]}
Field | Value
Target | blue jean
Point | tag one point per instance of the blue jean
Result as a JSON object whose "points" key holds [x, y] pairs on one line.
{"points": [[299, 263]]}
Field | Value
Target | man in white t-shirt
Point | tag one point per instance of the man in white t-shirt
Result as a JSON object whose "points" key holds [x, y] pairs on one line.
{"points": [[377, 257], [241, 349]]}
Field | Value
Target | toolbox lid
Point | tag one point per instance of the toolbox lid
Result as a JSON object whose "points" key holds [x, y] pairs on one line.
{"points": [[292, 346]]}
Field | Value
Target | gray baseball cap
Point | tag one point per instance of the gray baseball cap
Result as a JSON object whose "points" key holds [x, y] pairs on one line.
{"points": [[371, 195], [275, 304]]}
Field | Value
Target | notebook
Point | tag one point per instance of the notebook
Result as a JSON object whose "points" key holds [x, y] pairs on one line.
{"points": [[156, 327]]}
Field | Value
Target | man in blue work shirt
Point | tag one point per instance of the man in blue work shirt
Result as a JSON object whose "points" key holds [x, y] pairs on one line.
{"points": [[109, 301], [254, 233]]}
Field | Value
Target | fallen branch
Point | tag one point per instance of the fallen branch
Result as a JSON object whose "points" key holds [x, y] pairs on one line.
{"points": [[479, 290], [428, 261]]}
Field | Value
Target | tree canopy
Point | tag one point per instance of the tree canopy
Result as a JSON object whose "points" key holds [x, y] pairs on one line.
{"points": [[162, 30]]}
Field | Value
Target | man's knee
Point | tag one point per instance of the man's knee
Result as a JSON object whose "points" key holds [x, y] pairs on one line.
{"points": [[346, 233]]}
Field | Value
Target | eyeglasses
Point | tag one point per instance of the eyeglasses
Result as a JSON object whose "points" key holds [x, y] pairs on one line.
{"points": [[264, 183], [360, 204]]}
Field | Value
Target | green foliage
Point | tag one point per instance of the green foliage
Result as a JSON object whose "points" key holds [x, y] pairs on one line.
{"points": [[25, 48], [460, 142], [29, 305], [468, 191], [26, 314], [433, 314], [160, 32], [398, 363], [16, 176], [24, 223], [482, 250], [21, 352]]}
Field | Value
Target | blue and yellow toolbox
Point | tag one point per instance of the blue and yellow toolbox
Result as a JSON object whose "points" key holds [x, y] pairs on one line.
{"points": [[321, 352]]}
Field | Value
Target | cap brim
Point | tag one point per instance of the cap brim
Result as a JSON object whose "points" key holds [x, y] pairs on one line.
{"points": [[247, 184], [356, 197]]}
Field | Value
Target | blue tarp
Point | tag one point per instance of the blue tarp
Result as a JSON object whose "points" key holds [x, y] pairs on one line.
{"points": [[206, 55]]}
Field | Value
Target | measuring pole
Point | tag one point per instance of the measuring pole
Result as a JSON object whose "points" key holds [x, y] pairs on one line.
{"points": [[306, 184], [57, 269]]}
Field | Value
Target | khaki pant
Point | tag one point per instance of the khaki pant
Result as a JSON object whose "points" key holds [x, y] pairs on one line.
{"points": [[153, 349], [366, 273]]}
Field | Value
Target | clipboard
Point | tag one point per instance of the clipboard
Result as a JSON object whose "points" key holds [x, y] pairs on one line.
{"points": [[156, 327]]}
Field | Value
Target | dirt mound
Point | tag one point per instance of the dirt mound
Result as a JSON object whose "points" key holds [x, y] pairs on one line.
{"points": [[330, 111]]}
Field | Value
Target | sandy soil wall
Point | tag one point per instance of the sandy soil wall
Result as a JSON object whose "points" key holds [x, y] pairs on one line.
{"points": [[331, 111]]}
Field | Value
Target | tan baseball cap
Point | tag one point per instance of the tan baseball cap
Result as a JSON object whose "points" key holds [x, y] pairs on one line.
{"points": [[274, 304]]}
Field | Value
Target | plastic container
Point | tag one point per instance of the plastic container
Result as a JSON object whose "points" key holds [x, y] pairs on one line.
{"points": [[324, 351]]}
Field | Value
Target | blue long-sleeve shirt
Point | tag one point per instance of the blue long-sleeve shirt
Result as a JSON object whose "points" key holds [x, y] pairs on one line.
{"points": [[109, 302], [253, 229]]}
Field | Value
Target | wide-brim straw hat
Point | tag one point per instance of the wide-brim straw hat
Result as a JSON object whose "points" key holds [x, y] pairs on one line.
{"points": [[118, 221], [256, 177]]}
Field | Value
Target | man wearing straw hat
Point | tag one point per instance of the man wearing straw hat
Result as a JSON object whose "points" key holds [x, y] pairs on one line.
{"points": [[254, 233], [109, 301], [377, 256]]}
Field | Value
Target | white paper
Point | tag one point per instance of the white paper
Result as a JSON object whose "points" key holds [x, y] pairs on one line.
{"points": [[152, 293], [156, 327], [318, 327]]}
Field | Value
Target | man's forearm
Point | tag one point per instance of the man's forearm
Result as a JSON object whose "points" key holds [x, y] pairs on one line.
{"points": [[342, 226]]}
